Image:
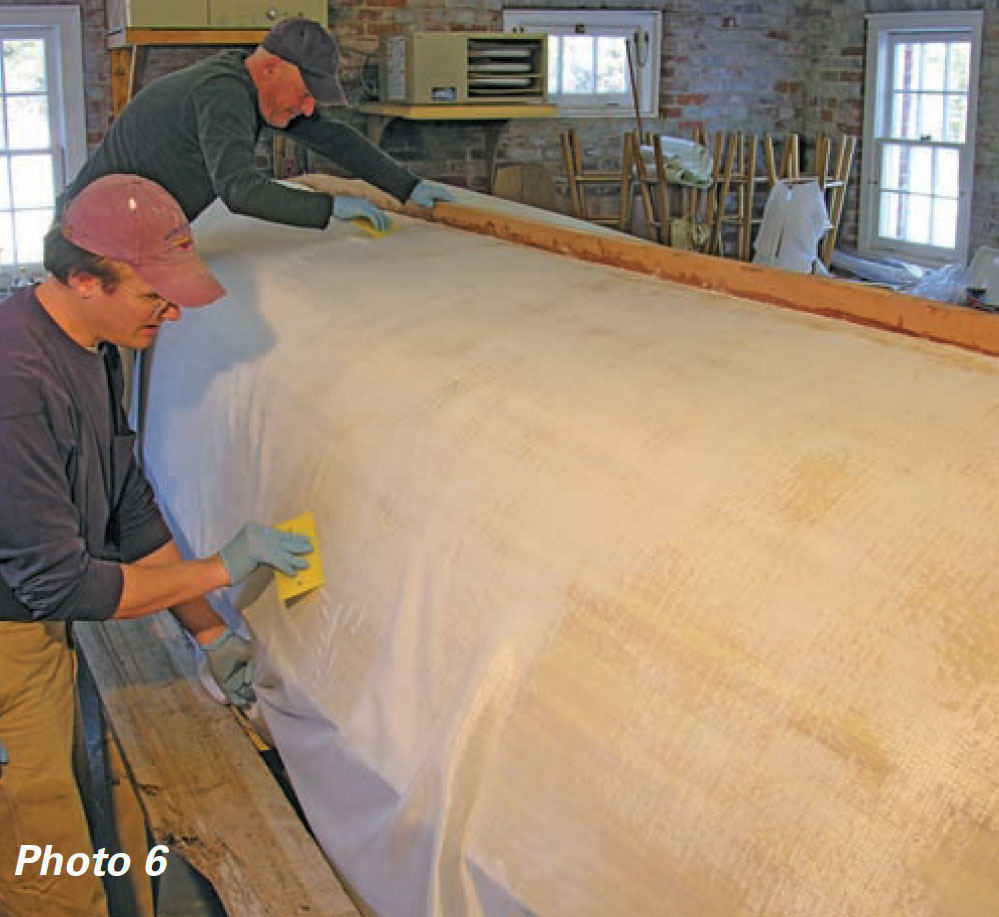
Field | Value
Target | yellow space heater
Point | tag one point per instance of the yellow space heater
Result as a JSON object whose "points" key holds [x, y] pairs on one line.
{"points": [[444, 68]]}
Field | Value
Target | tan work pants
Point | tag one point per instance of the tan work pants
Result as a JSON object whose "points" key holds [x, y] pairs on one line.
{"points": [[39, 797]]}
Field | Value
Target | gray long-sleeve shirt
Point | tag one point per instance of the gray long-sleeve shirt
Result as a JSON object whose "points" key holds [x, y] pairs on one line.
{"points": [[194, 132], [73, 502]]}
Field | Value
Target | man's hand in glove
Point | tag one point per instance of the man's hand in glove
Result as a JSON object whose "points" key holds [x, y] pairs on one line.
{"points": [[231, 665], [257, 544], [426, 192], [347, 208]]}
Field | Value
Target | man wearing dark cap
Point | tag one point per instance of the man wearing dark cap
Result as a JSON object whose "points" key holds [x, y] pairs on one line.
{"points": [[81, 537], [195, 131]]}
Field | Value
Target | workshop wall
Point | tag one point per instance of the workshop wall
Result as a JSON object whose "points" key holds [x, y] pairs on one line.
{"points": [[779, 66], [96, 65], [725, 65], [834, 90]]}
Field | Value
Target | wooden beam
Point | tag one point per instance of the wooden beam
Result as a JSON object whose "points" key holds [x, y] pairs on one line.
{"points": [[205, 791], [923, 318], [122, 77]]}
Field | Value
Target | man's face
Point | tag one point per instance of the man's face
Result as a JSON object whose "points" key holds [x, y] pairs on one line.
{"points": [[133, 312], [283, 96]]}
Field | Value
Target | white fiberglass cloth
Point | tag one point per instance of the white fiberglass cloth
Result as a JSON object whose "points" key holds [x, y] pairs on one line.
{"points": [[639, 600]]}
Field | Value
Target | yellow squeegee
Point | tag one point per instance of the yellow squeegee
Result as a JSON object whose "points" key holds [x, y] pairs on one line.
{"points": [[290, 587], [365, 224]]}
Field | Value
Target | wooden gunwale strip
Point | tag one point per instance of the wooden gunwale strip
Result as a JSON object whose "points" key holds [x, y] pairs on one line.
{"points": [[922, 318]]}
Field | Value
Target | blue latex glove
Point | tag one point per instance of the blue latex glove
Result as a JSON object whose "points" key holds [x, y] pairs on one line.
{"points": [[257, 544], [231, 665], [3, 757], [348, 208], [426, 192]]}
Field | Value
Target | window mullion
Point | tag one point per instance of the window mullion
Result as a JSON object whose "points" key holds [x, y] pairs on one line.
{"points": [[595, 64]]}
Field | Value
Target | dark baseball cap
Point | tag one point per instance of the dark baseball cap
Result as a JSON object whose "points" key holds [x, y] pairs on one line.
{"points": [[312, 49]]}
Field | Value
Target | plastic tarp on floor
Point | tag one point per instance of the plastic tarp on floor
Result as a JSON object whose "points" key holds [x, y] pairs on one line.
{"points": [[639, 600]]}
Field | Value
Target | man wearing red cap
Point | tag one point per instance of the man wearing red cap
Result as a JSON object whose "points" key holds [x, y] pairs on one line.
{"points": [[81, 537], [195, 133]]}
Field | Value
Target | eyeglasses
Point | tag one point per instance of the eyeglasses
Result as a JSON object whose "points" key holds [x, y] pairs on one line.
{"points": [[159, 303]]}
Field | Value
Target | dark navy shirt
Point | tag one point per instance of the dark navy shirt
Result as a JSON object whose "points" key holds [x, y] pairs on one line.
{"points": [[73, 502]]}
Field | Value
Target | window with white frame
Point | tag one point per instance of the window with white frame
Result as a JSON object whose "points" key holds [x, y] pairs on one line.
{"points": [[42, 132], [588, 71], [919, 134]]}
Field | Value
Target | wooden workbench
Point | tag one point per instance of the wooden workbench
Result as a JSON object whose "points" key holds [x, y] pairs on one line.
{"points": [[204, 789]]}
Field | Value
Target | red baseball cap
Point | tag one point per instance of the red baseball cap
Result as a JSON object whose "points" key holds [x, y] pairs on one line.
{"points": [[131, 219]]}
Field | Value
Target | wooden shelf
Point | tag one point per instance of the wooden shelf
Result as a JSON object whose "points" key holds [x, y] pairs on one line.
{"points": [[485, 111], [125, 38]]}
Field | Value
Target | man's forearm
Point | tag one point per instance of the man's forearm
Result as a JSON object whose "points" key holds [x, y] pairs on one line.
{"points": [[163, 579], [348, 148], [196, 616], [199, 619]]}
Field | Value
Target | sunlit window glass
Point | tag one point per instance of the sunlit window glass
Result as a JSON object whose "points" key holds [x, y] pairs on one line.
{"points": [[6, 238], [31, 178], [611, 65], [28, 120], [24, 65], [934, 62], [30, 228], [944, 224], [577, 66]]}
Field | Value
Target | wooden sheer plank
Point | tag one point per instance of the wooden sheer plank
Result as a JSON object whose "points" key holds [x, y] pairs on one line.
{"points": [[934, 321]]}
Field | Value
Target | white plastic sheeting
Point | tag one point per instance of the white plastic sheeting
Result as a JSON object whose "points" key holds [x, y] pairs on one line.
{"points": [[639, 600]]}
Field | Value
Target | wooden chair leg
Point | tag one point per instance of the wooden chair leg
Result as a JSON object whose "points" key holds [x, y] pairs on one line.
{"points": [[577, 168], [844, 161], [629, 169], [748, 199], [789, 162], [662, 195], [568, 154], [711, 204], [769, 161], [654, 228], [821, 160], [732, 142]]}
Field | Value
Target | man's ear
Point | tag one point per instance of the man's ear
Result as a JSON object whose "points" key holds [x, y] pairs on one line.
{"points": [[83, 284]]}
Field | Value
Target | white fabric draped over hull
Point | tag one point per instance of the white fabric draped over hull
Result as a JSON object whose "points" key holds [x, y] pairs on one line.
{"points": [[639, 600]]}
